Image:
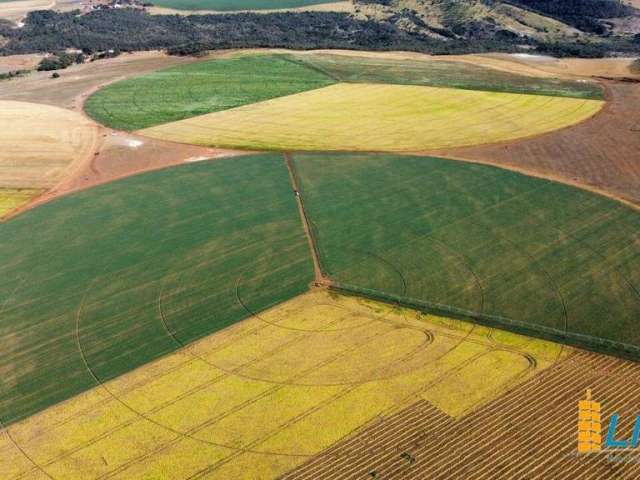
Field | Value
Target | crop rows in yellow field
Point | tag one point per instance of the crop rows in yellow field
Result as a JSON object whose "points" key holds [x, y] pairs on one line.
{"points": [[11, 198], [261, 397], [379, 118], [39, 142]]}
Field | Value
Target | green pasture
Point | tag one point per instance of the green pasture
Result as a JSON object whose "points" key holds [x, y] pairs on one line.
{"points": [[127, 272], [195, 89], [236, 5], [477, 239], [440, 73]]}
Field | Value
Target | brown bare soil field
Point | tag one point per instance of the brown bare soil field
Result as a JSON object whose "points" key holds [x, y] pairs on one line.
{"points": [[600, 153], [527, 433]]}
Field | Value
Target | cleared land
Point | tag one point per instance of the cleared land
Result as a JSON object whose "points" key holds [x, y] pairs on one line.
{"points": [[374, 117], [602, 152], [391, 69], [237, 5], [473, 239], [199, 88], [265, 395], [81, 285]]}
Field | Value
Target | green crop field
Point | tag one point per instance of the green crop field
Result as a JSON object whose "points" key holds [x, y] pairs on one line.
{"points": [[478, 239], [198, 88], [129, 271], [438, 73], [236, 5]]}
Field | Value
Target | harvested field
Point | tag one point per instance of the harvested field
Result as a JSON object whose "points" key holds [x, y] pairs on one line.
{"points": [[529, 432], [263, 396], [39, 144], [15, 198], [601, 152], [526, 253], [190, 90], [84, 275], [352, 117], [431, 72]]}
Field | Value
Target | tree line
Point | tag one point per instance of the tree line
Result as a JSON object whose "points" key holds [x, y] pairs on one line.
{"points": [[134, 30]]}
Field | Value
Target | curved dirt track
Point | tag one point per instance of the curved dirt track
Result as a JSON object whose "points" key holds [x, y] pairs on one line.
{"points": [[602, 153]]}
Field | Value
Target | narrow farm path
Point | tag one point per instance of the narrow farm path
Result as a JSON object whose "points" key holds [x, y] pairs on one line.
{"points": [[320, 278]]}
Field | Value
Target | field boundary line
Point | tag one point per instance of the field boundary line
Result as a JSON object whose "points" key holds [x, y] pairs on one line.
{"points": [[320, 277], [602, 346]]}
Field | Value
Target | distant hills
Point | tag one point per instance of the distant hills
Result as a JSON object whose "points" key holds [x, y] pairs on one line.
{"points": [[543, 20]]}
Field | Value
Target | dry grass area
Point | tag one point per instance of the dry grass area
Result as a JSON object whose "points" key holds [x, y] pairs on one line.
{"points": [[529, 432], [601, 153], [376, 117], [538, 65], [39, 144], [17, 10], [267, 394], [19, 62]]}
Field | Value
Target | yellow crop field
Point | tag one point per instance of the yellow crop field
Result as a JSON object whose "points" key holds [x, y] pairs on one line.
{"points": [[38, 143], [14, 198], [261, 397], [367, 117]]}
